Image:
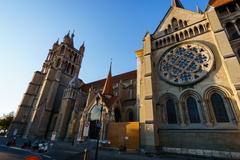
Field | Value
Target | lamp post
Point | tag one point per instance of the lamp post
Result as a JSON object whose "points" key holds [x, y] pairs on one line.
{"points": [[100, 126]]}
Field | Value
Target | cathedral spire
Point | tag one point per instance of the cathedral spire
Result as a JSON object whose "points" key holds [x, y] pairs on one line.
{"points": [[107, 89], [177, 3]]}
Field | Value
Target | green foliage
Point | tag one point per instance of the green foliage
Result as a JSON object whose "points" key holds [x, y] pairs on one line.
{"points": [[6, 120]]}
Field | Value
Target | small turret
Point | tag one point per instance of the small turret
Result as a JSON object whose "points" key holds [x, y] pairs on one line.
{"points": [[55, 45], [67, 40], [72, 39], [82, 48]]}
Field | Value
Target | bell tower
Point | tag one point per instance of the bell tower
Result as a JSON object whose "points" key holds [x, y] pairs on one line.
{"points": [[42, 99]]}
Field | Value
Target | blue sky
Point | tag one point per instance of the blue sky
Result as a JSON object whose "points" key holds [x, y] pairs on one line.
{"points": [[110, 28]]}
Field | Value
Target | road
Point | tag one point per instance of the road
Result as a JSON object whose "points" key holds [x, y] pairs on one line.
{"points": [[11, 153], [65, 151]]}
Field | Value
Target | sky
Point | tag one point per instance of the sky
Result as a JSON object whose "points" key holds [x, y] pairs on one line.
{"points": [[111, 29]]}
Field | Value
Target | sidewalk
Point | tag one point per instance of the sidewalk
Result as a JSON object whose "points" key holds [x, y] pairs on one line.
{"points": [[116, 155]]}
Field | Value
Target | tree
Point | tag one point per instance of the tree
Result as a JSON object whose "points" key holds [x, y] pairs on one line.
{"points": [[6, 120]]}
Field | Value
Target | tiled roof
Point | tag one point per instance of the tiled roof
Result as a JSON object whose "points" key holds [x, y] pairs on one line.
{"points": [[115, 79], [218, 3]]}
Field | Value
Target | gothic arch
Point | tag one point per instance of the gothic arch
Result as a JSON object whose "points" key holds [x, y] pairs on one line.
{"points": [[164, 41], [172, 39], [177, 38], [191, 102], [156, 44], [220, 104], [169, 28], [168, 109], [191, 32], [201, 29], [196, 31], [160, 43], [180, 23], [168, 40], [181, 36], [185, 23], [174, 24], [186, 34]]}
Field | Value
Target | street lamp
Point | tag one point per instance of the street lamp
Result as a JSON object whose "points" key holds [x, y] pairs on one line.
{"points": [[99, 126]]}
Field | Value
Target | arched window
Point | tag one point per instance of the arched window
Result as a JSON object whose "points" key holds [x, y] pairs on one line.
{"points": [[196, 31], [192, 108], [180, 23], [171, 112], [231, 30], [172, 38], [181, 36], [207, 26], [117, 115], [174, 24], [191, 32], [186, 34], [185, 23], [177, 38], [169, 28], [166, 31], [201, 29], [164, 41], [219, 108], [156, 44], [160, 43], [168, 40]]}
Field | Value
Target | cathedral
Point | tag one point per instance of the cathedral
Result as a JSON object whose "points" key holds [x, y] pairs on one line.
{"points": [[184, 95]]}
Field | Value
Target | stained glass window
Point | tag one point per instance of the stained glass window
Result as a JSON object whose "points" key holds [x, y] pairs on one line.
{"points": [[193, 110], [219, 108], [186, 64], [171, 111]]}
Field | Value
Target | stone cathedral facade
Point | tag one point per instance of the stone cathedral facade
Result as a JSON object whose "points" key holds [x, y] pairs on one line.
{"points": [[188, 80], [184, 94], [58, 104]]}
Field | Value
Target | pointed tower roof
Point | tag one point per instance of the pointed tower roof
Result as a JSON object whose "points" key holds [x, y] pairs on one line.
{"points": [[177, 3], [107, 89]]}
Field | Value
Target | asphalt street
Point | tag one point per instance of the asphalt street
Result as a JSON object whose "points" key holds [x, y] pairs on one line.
{"points": [[11, 153]]}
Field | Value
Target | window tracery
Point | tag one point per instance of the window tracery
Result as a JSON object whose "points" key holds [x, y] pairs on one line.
{"points": [[186, 63]]}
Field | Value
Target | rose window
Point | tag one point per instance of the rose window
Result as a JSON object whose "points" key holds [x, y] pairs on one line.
{"points": [[186, 63]]}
